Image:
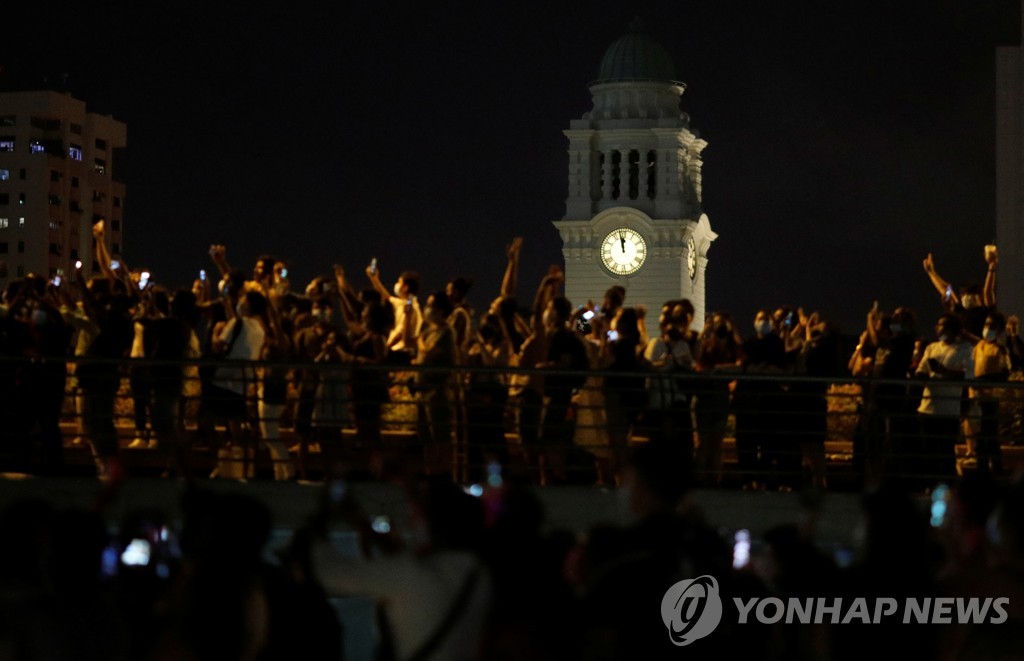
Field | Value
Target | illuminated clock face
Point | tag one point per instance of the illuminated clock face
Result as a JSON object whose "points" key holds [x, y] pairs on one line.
{"points": [[623, 251], [691, 258]]}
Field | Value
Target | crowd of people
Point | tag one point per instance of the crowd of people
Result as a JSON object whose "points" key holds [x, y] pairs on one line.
{"points": [[238, 356], [487, 577]]}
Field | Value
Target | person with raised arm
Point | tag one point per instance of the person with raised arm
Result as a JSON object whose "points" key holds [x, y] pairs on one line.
{"points": [[408, 318], [973, 303], [526, 388]]}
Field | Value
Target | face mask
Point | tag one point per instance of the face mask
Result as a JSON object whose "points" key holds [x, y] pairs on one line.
{"points": [[989, 334], [763, 328], [398, 289], [971, 301], [896, 328]]}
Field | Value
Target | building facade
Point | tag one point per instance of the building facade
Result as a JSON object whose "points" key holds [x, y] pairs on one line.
{"points": [[633, 213], [58, 167], [1010, 176]]}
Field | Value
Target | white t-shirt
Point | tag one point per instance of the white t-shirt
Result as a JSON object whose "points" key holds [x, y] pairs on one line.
{"points": [[399, 304], [418, 593], [248, 346], [938, 398]]}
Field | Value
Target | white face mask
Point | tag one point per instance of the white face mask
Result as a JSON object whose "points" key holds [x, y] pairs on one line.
{"points": [[763, 327], [989, 334]]}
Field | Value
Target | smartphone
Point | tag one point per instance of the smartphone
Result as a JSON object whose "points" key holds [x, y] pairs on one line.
{"points": [[940, 501], [78, 264], [789, 320], [56, 281], [137, 553], [143, 279], [741, 549], [588, 315], [613, 335], [381, 524], [949, 292], [284, 273], [373, 266], [202, 274], [114, 264]]}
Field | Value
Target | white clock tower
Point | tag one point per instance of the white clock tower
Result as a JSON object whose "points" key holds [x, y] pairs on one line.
{"points": [[633, 216]]}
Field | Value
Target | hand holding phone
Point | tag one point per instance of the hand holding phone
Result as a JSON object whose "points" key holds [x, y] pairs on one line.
{"points": [[202, 274], [613, 335], [373, 266]]}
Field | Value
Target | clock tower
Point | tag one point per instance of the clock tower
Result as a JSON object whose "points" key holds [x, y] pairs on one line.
{"points": [[633, 216]]}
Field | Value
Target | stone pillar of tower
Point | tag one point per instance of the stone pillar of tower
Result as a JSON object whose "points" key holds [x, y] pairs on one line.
{"points": [[633, 215]]}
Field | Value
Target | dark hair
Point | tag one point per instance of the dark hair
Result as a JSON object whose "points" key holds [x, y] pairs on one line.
{"points": [[161, 300], [562, 307], [461, 285], [616, 294], [952, 322], [185, 307], [439, 301], [257, 303], [377, 320], [998, 321], [412, 281]]}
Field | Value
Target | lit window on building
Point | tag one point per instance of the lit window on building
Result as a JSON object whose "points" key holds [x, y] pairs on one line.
{"points": [[54, 225], [5, 175], [100, 166], [4, 223], [37, 147], [21, 198], [75, 152], [21, 221], [7, 143]]}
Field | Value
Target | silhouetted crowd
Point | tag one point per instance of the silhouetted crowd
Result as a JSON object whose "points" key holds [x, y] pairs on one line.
{"points": [[485, 576]]}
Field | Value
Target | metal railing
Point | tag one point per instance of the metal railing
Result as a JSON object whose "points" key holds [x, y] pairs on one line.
{"points": [[723, 429]]}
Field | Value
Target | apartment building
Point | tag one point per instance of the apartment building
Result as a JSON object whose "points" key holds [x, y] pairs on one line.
{"points": [[58, 176]]}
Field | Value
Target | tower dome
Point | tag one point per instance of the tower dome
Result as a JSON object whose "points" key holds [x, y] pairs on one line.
{"points": [[636, 56]]}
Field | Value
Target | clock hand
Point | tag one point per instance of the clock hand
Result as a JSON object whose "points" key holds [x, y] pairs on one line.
{"points": [[622, 241]]}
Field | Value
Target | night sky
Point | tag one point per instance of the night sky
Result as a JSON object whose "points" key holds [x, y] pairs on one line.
{"points": [[846, 140]]}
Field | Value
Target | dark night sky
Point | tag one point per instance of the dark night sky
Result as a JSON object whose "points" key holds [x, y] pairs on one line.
{"points": [[846, 140]]}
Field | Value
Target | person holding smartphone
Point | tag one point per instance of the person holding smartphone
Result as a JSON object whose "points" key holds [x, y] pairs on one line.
{"points": [[401, 342]]}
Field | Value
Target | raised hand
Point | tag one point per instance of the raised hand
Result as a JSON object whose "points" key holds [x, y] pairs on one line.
{"points": [[929, 264], [513, 248]]}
